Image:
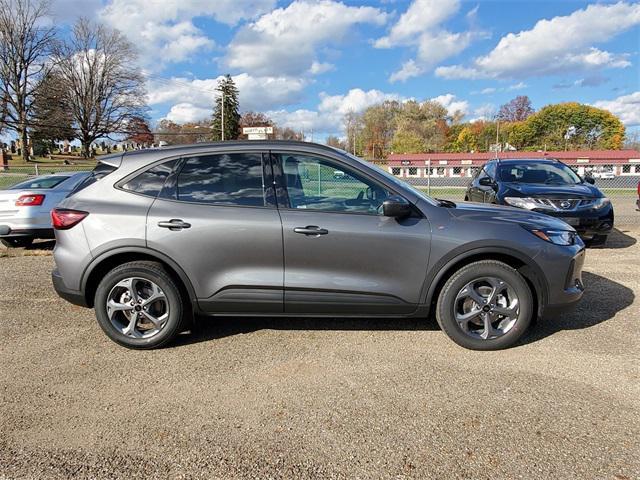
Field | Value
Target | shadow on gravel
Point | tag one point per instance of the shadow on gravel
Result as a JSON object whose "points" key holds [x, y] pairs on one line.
{"points": [[602, 299], [617, 239], [220, 327]]}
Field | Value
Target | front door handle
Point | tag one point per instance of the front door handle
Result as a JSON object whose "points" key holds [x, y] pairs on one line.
{"points": [[174, 224], [311, 230]]}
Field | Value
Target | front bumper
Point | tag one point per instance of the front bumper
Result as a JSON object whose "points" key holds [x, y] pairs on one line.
{"points": [[565, 299], [72, 296], [588, 223]]}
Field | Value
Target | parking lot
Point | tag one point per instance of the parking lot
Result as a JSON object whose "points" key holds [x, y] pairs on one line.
{"points": [[270, 398]]}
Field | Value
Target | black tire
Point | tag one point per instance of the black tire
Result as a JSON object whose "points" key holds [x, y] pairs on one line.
{"points": [[154, 272], [596, 241], [17, 242], [445, 309]]}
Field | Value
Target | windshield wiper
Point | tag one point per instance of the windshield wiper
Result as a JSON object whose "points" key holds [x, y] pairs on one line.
{"points": [[445, 203]]}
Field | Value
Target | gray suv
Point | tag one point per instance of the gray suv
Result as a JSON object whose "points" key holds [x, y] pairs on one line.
{"points": [[154, 237]]}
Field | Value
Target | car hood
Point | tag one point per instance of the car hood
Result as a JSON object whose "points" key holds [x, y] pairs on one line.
{"points": [[501, 214], [582, 190]]}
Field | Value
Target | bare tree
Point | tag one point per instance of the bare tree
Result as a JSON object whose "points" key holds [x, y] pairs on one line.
{"points": [[26, 41], [106, 87], [516, 110]]}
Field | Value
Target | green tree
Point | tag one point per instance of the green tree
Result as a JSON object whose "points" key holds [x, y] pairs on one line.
{"points": [[51, 115], [569, 126], [427, 121], [226, 102], [407, 142]]}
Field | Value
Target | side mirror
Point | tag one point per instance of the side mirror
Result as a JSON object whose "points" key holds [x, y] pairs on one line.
{"points": [[396, 206], [590, 180], [487, 182]]}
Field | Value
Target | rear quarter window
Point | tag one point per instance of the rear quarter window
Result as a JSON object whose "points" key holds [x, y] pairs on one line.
{"points": [[98, 173], [151, 181]]}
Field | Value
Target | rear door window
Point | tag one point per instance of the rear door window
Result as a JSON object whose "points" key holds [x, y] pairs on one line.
{"points": [[222, 179]]}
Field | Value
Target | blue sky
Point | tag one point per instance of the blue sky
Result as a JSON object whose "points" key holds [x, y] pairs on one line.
{"points": [[309, 62]]}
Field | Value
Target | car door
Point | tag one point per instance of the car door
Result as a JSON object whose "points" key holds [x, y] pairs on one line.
{"points": [[341, 255], [489, 192], [217, 219], [474, 194]]}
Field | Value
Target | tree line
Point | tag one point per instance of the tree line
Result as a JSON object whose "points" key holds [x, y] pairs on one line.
{"points": [[418, 127]]}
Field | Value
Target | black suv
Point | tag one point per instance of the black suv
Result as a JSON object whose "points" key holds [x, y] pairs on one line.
{"points": [[546, 186]]}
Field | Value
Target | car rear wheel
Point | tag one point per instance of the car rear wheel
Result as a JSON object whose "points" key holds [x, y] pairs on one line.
{"points": [[486, 305], [139, 305], [17, 242]]}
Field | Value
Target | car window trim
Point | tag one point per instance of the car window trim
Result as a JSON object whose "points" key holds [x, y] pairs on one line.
{"points": [[286, 204]]}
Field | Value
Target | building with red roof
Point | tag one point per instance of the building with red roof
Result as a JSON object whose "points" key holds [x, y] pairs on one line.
{"points": [[594, 162]]}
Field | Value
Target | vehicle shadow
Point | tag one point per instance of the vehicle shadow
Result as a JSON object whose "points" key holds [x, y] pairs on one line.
{"points": [[617, 239], [208, 328], [602, 299]]}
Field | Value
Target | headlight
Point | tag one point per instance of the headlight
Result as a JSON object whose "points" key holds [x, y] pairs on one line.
{"points": [[527, 203], [557, 237], [600, 202]]}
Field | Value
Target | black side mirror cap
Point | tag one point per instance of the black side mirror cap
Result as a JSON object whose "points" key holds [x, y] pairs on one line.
{"points": [[487, 182], [590, 180], [396, 206]]}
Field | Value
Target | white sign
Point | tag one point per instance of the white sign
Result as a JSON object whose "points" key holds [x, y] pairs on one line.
{"points": [[257, 130], [257, 136]]}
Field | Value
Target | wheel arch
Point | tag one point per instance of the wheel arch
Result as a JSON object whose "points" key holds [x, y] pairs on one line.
{"points": [[112, 258], [526, 266]]}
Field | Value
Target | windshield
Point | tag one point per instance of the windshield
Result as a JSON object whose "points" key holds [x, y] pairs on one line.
{"points": [[42, 182], [538, 172], [392, 178]]}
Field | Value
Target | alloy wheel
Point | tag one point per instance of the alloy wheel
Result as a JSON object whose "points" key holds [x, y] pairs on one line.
{"points": [[137, 308], [486, 308]]}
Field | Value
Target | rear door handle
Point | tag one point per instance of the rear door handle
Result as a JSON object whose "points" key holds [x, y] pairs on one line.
{"points": [[311, 230], [174, 224]]}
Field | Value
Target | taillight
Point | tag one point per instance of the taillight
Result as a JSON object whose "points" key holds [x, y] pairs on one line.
{"points": [[29, 200], [64, 219], [638, 189]]}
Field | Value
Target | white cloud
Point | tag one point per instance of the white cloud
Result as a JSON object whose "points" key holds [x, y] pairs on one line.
{"points": [[285, 41], [420, 27], [163, 30], [561, 44], [626, 107], [452, 103], [328, 116], [256, 93], [187, 112]]}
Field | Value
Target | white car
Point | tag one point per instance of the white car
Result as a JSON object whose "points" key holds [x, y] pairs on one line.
{"points": [[25, 208]]}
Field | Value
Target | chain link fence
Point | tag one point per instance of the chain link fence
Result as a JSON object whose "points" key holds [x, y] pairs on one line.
{"points": [[618, 182], [10, 174]]}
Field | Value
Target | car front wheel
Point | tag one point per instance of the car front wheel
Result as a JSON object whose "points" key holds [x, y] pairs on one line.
{"points": [[139, 305], [486, 305]]}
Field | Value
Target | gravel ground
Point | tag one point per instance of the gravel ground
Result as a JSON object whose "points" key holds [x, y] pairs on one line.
{"points": [[273, 398]]}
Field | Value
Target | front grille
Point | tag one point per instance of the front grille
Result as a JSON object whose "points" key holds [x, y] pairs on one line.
{"points": [[564, 204]]}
